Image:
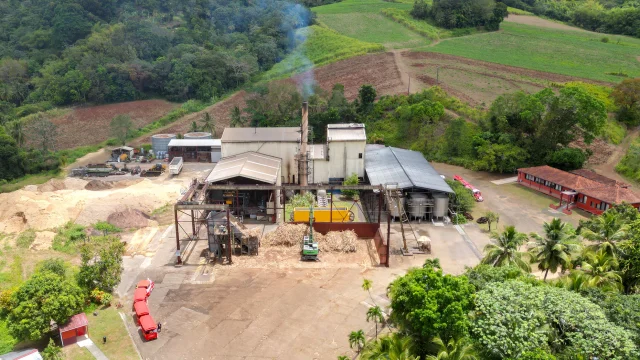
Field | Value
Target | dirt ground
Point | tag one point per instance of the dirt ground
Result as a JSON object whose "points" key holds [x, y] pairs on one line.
{"points": [[540, 22], [90, 125]]}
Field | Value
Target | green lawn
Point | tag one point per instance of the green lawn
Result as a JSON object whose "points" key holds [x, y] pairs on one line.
{"points": [[363, 20], [108, 323], [571, 53], [75, 352]]}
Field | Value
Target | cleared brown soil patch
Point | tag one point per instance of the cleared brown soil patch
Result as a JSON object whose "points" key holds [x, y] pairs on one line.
{"points": [[90, 125], [378, 70], [477, 82], [540, 22]]}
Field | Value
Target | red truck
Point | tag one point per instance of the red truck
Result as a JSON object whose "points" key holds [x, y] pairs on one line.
{"points": [[476, 193]]}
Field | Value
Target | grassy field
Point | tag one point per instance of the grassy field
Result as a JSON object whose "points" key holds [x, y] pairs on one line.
{"points": [[108, 323], [629, 166], [572, 53], [423, 27], [363, 20], [322, 46]]}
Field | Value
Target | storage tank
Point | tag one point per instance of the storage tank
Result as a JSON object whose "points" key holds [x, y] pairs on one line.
{"points": [[395, 212], [198, 135], [417, 205], [160, 142], [441, 205]]}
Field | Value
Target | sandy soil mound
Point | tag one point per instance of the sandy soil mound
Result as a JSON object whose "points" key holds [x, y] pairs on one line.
{"points": [[130, 218], [98, 185], [51, 209], [43, 240], [52, 185]]}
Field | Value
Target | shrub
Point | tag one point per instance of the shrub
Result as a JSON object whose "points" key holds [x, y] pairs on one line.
{"points": [[56, 266], [68, 237], [604, 39], [299, 200], [567, 159], [25, 239], [351, 180], [100, 297], [52, 352]]}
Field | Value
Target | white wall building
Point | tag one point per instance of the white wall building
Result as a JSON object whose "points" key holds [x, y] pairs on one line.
{"points": [[342, 155], [280, 142]]}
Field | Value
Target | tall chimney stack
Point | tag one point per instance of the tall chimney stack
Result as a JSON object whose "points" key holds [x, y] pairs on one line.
{"points": [[303, 173]]}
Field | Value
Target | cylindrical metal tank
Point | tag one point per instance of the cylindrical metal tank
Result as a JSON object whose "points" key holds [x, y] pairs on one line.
{"points": [[417, 205], [160, 142], [395, 211], [441, 205], [198, 135]]}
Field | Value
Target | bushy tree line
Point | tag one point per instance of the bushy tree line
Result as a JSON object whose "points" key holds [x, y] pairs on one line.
{"points": [[607, 16], [498, 310], [455, 14]]}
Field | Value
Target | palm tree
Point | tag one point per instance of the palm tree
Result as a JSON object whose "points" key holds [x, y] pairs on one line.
{"points": [[600, 270], [504, 249], [194, 127], [459, 349], [389, 347], [236, 117], [606, 230], [356, 338], [491, 218], [374, 313], [209, 124], [555, 249], [366, 286]]}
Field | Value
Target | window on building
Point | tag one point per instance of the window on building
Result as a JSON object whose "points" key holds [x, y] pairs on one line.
{"points": [[591, 204], [584, 199], [558, 187], [359, 155]]}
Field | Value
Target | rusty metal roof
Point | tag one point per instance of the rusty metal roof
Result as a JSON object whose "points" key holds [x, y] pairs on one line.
{"points": [[250, 165], [261, 134], [346, 132], [76, 321]]}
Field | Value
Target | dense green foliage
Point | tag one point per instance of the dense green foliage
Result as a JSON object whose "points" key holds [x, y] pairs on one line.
{"points": [[627, 97], [426, 303], [80, 51], [615, 17], [454, 14], [629, 165], [543, 317], [101, 263], [44, 297], [463, 199]]}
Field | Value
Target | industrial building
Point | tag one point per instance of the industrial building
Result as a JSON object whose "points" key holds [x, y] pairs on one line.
{"points": [[195, 150], [249, 168], [425, 194], [280, 142], [340, 157], [582, 189]]}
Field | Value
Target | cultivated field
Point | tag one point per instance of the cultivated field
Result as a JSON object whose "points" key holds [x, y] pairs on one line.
{"points": [[567, 52], [90, 125], [363, 20]]}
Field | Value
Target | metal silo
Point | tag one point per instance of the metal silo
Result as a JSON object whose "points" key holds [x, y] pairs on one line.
{"points": [[160, 142], [441, 206], [198, 135]]}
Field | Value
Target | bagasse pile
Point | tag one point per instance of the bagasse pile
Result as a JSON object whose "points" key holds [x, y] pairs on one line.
{"points": [[291, 235]]}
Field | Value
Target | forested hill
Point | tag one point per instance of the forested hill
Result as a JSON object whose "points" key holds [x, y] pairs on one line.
{"points": [[75, 51]]}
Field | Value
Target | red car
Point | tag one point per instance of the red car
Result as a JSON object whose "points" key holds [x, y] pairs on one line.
{"points": [[149, 327]]}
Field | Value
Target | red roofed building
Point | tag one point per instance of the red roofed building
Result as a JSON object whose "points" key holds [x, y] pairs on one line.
{"points": [[583, 188], [78, 325]]}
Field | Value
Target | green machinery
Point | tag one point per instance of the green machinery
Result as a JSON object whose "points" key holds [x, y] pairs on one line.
{"points": [[309, 246]]}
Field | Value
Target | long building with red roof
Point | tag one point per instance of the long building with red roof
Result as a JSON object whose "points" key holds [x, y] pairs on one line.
{"points": [[583, 188]]}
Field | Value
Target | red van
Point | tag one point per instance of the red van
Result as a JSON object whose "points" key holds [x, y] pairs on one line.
{"points": [[146, 284], [140, 295], [149, 327], [141, 309]]}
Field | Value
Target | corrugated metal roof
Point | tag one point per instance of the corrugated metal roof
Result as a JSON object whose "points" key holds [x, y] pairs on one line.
{"points": [[261, 134], [195, 142], [346, 132], [250, 165], [405, 167]]}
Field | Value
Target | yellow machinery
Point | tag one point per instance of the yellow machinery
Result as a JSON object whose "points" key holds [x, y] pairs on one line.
{"points": [[323, 214]]}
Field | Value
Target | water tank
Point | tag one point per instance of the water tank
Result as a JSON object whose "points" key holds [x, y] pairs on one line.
{"points": [[198, 135], [441, 205], [417, 205], [160, 142]]}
